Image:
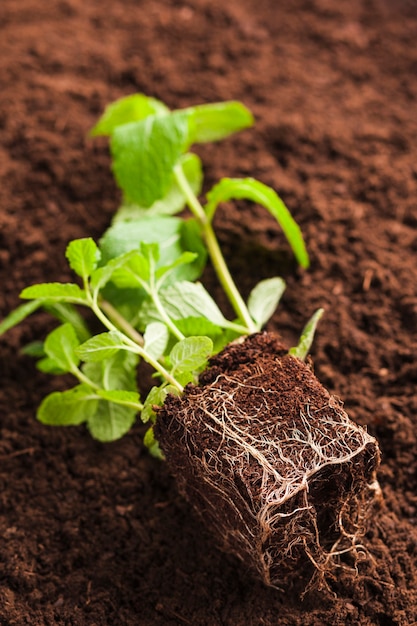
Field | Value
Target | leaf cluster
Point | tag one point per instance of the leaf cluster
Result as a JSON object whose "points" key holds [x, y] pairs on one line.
{"points": [[142, 280]]}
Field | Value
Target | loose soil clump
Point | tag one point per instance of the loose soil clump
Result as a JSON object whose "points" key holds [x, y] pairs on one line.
{"points": [[272, 462]]}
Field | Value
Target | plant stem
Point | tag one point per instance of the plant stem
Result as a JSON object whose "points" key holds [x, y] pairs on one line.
{"points": [[131, 336], [215, 253], [121, 322]]}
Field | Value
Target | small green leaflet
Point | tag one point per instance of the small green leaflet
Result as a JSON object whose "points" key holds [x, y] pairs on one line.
{"points": [[301, 350], [116, 372], [111, 421], [61, 345], [145, 154], [131, 108], [102, 346], [114, 414], [19, 314], [68, 408], [212, 122], [174, 200], [186, 299], [190, 326], [119, 396], [263, 299], [190, 354], [153, 446], [155, 339], [156, 397], [83, 256], [67, 313], [251, 189], [55, 292]]}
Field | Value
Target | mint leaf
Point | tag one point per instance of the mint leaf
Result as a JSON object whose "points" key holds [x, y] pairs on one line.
{"points": [[264, 298], [18, 315], [60, 346], [134, 272], [116, 372], [67, 313], [184, 259], [186, 299], [111, 421], [173, 201], [190, 354], [190, 326], [211, 122], [83, 256], [153, 446], [68, 408], [102, 346], [119, 396], [49, 366], [250, 189], [156, 397], [302, 349], [145, 154], [128, 109], [155, 339], [172, 234], [55, 292]]}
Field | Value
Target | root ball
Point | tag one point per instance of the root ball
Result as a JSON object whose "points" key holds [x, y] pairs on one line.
{"points": [[271, 461]]}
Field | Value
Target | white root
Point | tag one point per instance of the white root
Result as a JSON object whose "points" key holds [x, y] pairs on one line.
{"points": [[267, 475]]}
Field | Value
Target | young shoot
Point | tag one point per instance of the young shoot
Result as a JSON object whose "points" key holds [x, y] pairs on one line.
{"points": [[141, 280]]}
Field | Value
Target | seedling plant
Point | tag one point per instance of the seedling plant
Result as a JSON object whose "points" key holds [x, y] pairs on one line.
{"points": [[141, 282]]}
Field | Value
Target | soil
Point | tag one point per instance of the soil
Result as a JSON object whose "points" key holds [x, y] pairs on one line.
{"points": [[97, 534], [272, 464]]}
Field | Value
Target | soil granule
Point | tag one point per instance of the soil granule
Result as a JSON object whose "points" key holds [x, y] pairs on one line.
{"points": [[97, 534]]}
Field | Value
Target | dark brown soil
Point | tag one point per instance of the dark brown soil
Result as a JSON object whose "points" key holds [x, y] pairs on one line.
{"points": [[96, 534], [272, 464]]}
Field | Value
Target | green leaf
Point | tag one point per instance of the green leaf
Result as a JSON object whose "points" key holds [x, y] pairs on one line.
{"points": [[18, 315], [68, 408], [61, 345], [67, 313], [190, 354], [190, 326], [34, 349], [116, 372], [250, 189], [170, 233], [49, 366], [156, 397], [111, 421], [155, 339], [83, 256], [186, 299], [120, 397], [174, 200], [102, 346], [55, 292], [211, 122], [128, 109], [301, 350], [264, 298], [145, 154], [134, 272], [184, 259], [152, 444]]}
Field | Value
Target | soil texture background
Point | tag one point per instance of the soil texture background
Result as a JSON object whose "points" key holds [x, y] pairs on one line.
{"points": [[92, 534]]}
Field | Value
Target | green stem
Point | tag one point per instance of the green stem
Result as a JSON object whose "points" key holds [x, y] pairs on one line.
{"points": [[174, 330], [128, 337], [215, 253], [121, 322]]}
